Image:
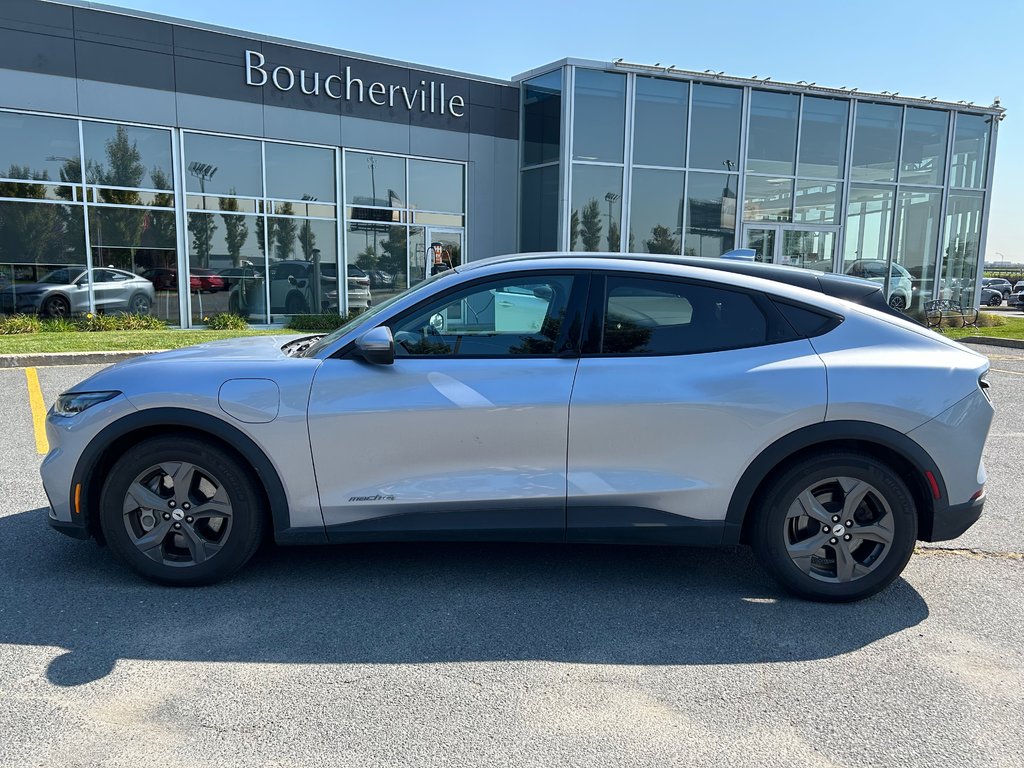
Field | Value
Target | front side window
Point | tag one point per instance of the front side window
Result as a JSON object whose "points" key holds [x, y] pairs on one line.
{"points": [[520, 315], [664, 317]]}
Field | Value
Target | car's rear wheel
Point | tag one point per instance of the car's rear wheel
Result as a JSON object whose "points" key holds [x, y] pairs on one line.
{"points": [[139, 304], [180, 511], [897, 302], [837, 527], [56, 306], [996, 301]]}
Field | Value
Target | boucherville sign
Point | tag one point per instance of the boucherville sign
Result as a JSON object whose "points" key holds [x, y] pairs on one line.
{"points": [[429, 97]]}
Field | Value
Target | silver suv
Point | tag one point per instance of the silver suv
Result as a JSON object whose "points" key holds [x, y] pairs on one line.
{"points": [[545, 398], [65, 291]]}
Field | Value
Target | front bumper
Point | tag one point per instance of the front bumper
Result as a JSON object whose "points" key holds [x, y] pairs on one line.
{"points": [[76, 530], [952, 521]]}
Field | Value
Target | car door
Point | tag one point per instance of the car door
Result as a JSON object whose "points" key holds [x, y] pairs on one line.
{"points": [[466, 433], [680, 386]]}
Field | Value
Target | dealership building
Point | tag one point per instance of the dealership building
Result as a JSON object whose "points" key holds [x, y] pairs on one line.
{"points": [[241, 172]]}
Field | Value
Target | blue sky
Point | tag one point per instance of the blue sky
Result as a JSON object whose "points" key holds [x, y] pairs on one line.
{"points": [[952, 50]]}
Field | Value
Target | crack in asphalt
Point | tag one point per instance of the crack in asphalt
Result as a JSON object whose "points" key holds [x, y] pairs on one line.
{"points": [[980, 554]]}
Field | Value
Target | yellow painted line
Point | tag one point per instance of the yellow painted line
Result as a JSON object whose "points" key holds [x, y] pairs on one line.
{"points": [[1000, 370], [35, 400]]}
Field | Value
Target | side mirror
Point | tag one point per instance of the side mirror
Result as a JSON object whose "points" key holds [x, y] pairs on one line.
{"points": [[377, 346]]}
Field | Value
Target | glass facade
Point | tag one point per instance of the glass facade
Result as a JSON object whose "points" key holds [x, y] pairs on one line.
{"points": [[895, 191], [90, 211]]}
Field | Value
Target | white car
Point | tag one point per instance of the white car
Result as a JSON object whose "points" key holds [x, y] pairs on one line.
{"points": [[901, 283]]}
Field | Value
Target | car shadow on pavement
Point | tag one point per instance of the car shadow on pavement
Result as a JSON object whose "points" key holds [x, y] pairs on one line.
{"points": [[424, 603]]}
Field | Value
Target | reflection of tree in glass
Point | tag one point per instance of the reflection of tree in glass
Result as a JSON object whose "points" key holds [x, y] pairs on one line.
{"points": [[544, 342], [613, 236], [158, 226], [284, 237], [662, 240], [262, 236], [34, 233], [622, 335], [201, 226], [236, 232], [590, 226], [426, 345], [307, 237], [367, 259], [574, 229], [119, 227], [393, 258]]}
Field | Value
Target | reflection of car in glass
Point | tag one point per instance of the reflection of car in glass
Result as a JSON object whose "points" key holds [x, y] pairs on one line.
{"points": [[293, 289], [991, 297], [65, 291], [234, 275], [1017, 297], [1000, 284], [901, 285], [381, 279], [620, 399], [199, 279]]}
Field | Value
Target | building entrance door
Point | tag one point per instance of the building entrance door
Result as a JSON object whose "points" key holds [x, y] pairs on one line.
{"points": [[443, 249], [795, 246]]}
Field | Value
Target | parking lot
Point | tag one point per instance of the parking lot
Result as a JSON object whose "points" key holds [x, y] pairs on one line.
{"points": [[468, 654]]}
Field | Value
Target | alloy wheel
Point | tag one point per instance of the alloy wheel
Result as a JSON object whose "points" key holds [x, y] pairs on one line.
{"points": [[839, 529], [177, 514]]}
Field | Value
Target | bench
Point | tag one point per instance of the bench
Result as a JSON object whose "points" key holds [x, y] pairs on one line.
{"points": [[947, 309]]}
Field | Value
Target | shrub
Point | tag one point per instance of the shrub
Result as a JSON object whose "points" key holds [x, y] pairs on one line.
{"points": [[19, 324], [225, 321], [326, 322], [95, 322], [58, 325]]}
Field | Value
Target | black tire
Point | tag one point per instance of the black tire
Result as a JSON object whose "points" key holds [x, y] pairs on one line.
{"points": [[995, 301], [897, 302], [56, 306], [775, 530], [139, 304], [241, 538]]}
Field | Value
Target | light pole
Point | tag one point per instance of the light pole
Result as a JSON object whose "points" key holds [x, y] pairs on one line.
{"points": [[204, 172]]}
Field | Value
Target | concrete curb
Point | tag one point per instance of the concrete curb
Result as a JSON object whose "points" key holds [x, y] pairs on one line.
{"points": [[39, 359], [994, 342]]}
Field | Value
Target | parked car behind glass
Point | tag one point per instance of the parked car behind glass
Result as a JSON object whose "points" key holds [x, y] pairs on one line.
{"points": [[65, 291]]}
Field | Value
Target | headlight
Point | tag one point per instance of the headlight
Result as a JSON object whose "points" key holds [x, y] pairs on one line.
{"points": [[72, 403]]}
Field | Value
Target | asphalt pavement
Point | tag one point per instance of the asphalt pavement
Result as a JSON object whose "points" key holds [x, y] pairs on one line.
{"points": [[467, 655]]}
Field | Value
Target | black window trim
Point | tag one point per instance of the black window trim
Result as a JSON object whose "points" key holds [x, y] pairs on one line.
{"points": [[594, 322], [566, 346]]}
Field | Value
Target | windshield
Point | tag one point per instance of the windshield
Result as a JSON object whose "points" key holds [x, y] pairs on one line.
{"points": [[362, 317], [61, 276]]}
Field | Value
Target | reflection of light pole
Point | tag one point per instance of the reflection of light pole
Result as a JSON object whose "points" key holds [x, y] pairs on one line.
{"points": [[371, 161], [611, 197], [204, 172]]}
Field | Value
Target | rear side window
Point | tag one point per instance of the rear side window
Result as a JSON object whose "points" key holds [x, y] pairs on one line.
{"points": [[664, 317], [805, 321]]}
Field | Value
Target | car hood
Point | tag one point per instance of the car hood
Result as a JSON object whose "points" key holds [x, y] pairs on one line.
{"points": [[241, 349], [26, 288]]}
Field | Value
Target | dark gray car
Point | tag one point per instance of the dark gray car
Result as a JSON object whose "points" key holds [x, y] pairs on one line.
{"points": [[65, 291]]}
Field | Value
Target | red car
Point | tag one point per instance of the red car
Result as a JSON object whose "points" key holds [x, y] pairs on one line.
{"points": [[199, 280]]}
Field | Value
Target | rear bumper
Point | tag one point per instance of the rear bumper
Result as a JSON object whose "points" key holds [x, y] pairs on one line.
{"points": [[951, 522]]}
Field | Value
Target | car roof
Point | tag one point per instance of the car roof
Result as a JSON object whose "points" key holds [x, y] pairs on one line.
{"points": [[846, 287]]}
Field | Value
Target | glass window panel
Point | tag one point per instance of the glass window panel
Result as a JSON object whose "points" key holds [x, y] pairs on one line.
{"points": [[41, 233], [508, 317], [876, 142], [808, 249], [375, 214], [868, 225], [960, 249], [222, 166], [382, 251], [417, 255], [303, 269], [970, 151], [107, 196], [28, 191], [817, 202], [771, 143], [768, 199], [227, 264], [300, 173], [596, 219], [436, 186], [762, 242], [375, 180], [439, 219], [538, 224], [39, 148], [599, 118], [542, 118], [659, 123], [917, 234], [715, 127], [656, 212], [666, 317], [823, 137], [144, 244], [710, 214], [127, 156], [211, 203], [923, 160]]}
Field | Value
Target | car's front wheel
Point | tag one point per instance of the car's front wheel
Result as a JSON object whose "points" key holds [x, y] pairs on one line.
{"points": [[181, 511], [996, 301], [897, 302], [838, 526]]}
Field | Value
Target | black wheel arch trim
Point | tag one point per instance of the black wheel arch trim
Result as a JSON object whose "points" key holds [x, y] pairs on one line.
{"points": [[831, 432], [173, 418]]}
